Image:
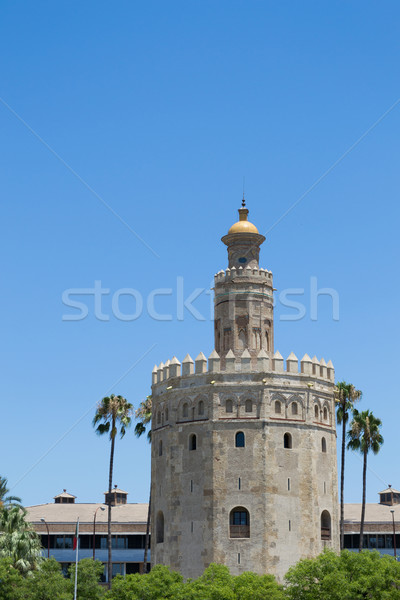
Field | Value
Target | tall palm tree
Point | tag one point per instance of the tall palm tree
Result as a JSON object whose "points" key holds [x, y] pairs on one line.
{"points": [[143, 416], [18, 540], [346, 395], [6, 501], [364, 435], [111, 412]]}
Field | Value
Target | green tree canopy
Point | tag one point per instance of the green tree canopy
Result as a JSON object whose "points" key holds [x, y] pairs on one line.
{"points": [[348, 576], [18, 540]]}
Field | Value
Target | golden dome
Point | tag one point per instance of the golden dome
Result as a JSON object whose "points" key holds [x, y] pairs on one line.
{"points": [[243, 225]]}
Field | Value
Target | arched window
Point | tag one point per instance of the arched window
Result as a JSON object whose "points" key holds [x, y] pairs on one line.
{"points": [[201, 407], [294, 408], [323, 444], [166, 414], [239, 439], [192, 442], [287, 440], [160, 448], [249, 406], [228, 406], [325, 525], [185, 410], [325, 413], [162, 418], [277, 407], [239, 523], [266, 341], [158, 418], [316, 411], [160, 527]]}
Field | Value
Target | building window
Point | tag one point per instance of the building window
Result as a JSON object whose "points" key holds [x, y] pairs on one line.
{"points": [[316, 411], [228, 406], [239, 523], [185, 411], [287, 440], [290, 525], [294, 408], [239, 439], [160, 448], [325, 525], [266, 341], [288, 484], [166, 414], [325, 413], [323, 444], [158, 418], [201, 407], [160, 527], [277, 407], [192, 442], [249, 406]]}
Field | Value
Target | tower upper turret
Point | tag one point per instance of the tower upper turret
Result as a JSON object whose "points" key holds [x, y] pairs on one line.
{"points": [[243, 313]]}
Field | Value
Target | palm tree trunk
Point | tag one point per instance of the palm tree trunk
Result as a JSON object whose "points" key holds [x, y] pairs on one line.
{"points": [[110, 478], [342, 479], [363, 501], [146, 542]]}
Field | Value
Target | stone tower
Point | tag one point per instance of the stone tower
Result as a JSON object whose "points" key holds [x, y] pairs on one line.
{"points": [[243, 444]]}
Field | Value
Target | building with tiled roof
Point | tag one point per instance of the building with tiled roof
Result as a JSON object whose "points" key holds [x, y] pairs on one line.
{"points": [[55, 522]]}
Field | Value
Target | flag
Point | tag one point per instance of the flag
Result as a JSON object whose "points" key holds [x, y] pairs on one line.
{"points": [[76, 536]]}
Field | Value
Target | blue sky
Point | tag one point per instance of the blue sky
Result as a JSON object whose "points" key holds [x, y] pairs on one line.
{"points": [[132, 120]]}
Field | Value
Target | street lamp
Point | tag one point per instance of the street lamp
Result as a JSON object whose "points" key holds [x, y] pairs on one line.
{"points": [[394, 534], [94, 531], [48, 536]]}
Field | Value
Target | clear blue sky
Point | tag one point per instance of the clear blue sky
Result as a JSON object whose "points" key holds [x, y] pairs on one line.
{"points": [[161, 108]]}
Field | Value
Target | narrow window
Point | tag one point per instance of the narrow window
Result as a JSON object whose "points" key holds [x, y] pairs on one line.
{"points": [[323, 444], [191, 527], [249, 406], [193, 413], [239, 484], [239, 439], [185, 411], [325, 525], [266, 341], [294, 408], [191, 485], [325, 413], [238, 558], [290, 525], [239, 523], [162, 418], [324, 487], [287, 440], [316, 411], [160, 527], [201, 407], [192, 442], [160, 448], [288, 484], [228, 406], [277, 407], [158, 418], [166, 414]]}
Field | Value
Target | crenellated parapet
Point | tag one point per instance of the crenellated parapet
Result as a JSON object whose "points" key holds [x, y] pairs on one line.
{"points": [[310, 367], [230, 274]]}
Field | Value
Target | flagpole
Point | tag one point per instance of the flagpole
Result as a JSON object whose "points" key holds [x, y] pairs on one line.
{"points": [[76, 559]]}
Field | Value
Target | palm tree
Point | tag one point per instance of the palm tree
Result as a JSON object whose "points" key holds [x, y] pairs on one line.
{"points": [[143, 416], [111, 412], [346, 396], [18, 540], [364, 435], [6, 501]]}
